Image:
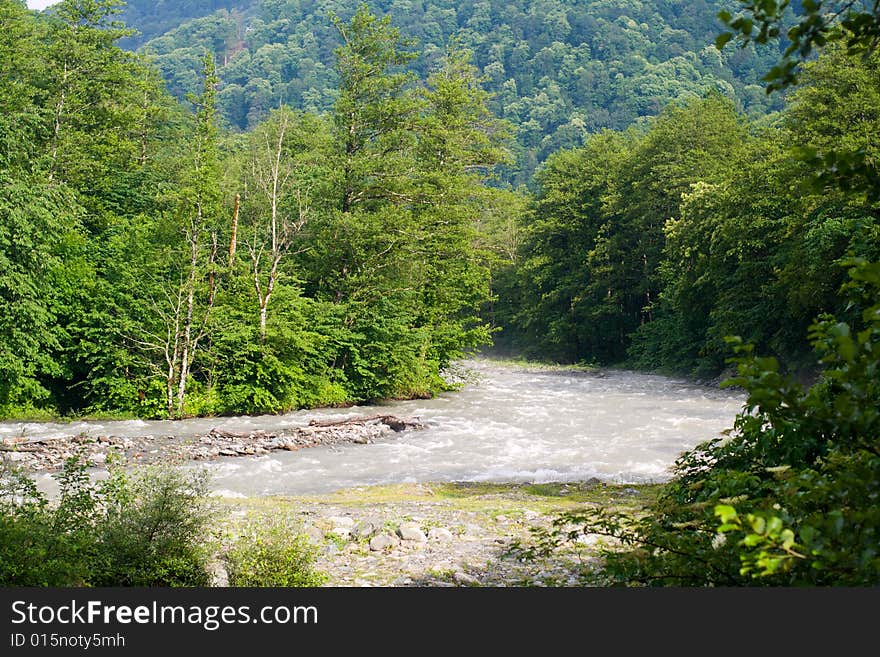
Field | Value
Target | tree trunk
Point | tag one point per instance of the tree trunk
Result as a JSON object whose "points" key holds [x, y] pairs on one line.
{"points": [[186, 343]]}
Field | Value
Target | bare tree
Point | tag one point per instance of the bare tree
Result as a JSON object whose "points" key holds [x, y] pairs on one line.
{"points": [[279, 212]]}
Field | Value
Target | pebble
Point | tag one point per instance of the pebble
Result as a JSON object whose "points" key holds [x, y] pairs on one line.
{"points": [[342, 521], [341, 532], [465, 579]]}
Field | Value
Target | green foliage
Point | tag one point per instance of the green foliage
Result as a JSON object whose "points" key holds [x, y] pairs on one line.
{"points": [[155, 265], [556, 70], [649, 248], [272, 555], [832, 26], [592, 257], [145, 529], [790, 496], [816, 23]]}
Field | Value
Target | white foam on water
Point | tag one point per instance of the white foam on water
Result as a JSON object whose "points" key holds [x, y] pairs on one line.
{"points": [[510, 424]]}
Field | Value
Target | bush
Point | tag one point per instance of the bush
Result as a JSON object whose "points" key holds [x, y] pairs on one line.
{"points": [[789, 498], [145, 529], [272, 555]]}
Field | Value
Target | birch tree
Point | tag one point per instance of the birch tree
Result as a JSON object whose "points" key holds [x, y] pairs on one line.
{"points": [[278, 205], [200, 209]]}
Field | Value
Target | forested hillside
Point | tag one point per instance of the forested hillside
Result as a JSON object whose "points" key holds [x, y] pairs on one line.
{"points": [[651, 247], [558, 69]]}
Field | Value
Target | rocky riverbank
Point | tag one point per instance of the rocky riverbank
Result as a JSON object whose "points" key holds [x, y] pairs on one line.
{"points": [[437, 535], [49, 454]]}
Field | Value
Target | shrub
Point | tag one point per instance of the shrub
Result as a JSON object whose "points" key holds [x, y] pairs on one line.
{"points": [[153, 529], [145, 529], [272, 555]]}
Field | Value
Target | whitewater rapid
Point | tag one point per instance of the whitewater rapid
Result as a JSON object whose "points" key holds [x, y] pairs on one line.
{"points": [[506, 424]]}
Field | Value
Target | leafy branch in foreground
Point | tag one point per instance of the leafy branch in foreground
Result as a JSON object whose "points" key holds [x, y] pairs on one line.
{"points": [[856, 23]]}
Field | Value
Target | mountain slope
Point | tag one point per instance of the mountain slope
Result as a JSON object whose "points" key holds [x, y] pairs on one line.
{"points": [[559, 69]]}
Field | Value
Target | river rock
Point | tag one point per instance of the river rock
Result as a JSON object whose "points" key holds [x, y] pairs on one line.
{"points": [[346, 522], [366, 528], [439, 534], [411, 531], [217, 574], [465, 579], [341, 532], [314, 534], [383, 542]]}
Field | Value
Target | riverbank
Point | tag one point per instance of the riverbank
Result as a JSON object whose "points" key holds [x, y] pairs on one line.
{"points": [[50, 454], [440, 534]]}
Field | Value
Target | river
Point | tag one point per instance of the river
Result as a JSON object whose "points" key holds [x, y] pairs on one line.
{"points": [[507, 424]]}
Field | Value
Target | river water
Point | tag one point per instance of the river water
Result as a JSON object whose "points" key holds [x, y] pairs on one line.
{"points": [[507, 424]]}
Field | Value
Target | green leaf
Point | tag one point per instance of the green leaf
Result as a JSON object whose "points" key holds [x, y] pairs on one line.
{"points": [[725, 513], [722, 39]]}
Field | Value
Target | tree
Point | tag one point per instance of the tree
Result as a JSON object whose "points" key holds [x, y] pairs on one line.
{"points": [[282, 149], [190, 288], [852, 23], [460, 144]]}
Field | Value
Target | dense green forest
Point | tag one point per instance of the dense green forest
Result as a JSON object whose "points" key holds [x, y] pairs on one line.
{"points": [[650, 246], [156, 266], [557, 69]]}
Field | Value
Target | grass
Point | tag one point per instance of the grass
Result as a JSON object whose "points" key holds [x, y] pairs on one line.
{"points": [[539, 365], [490, 499]]}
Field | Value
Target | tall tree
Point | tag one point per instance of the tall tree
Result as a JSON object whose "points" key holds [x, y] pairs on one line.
{"points": [[193, 291], [282, 176]]}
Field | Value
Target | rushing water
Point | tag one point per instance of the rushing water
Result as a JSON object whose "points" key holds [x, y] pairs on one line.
{"points": [[508, 424]]}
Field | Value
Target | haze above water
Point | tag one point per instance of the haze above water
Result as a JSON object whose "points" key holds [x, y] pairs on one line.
{"points": [[509, 424]]}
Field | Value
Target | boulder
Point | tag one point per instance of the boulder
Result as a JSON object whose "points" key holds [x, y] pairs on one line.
{"points": [[439, 534], [382, 542], [366, 528], [411, 531]]}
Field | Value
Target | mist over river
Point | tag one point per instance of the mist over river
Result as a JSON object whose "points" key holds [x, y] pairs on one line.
{"points": [[507, 424]]}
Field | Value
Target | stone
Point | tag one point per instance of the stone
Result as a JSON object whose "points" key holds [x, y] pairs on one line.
{"points": [[439, 534], [382, 542], [342, 521], [465, 579], [15, 456], [217, 575], [315, 534], [366, 528], [411, 531], [341, 532]]}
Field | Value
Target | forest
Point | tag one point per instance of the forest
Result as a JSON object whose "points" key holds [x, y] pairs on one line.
{"points": [[158, 264], [556, 69], [173, 245]]}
